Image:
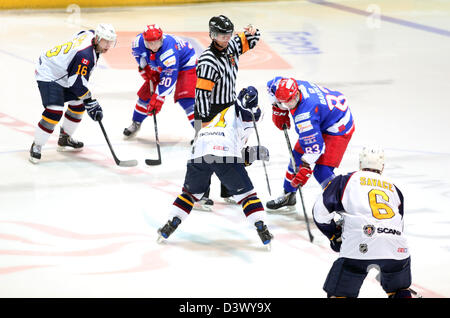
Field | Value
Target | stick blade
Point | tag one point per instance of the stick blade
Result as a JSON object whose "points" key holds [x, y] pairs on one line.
{"points": [[152, 162], [128, 163]]}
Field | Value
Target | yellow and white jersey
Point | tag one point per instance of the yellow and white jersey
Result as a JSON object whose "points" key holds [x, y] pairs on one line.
{"points": [[226, 134], [372, 209], [69, 64]]}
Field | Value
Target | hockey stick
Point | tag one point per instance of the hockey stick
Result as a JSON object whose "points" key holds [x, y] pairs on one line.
{"points": [[121, 163], [259, 146], [288, 142], [155, 162]]}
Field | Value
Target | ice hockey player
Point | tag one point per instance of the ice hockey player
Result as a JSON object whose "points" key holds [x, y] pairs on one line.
{"points": [[220, 149], [217, 74], [167, 63], [370, 211], [62, 75], [324, 123]]}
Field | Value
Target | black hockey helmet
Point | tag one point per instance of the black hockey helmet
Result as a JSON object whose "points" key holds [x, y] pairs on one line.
{"points": [[220, 24]]}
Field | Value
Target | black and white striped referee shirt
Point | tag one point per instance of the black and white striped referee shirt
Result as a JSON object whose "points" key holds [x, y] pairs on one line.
{"points": [[216, 75]]}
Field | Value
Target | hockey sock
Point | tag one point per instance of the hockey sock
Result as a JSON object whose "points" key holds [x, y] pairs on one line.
{"points": [[252, 208], [140, 110], [188, 106], [72, 118], [182, 206], [50, 118], [323, 174]]}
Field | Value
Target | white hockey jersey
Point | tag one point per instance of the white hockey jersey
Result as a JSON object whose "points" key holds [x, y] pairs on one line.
{"points": [[69, 64], [226, 134], [372, 209]]}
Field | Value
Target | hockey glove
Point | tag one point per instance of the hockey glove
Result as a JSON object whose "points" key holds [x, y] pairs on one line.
{"points": [[302, 176], [336, 240], [253, 153], [280, 117], [93, 108], [148, 74], [248, 97], [155, 104]]}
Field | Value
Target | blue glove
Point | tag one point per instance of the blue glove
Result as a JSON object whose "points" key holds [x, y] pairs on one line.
{"points": [[93, 108], [336, 240], [248, 97]]}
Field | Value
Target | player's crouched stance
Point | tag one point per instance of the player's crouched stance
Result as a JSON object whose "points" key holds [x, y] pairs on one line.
{"points": [[220, 148], [62, 75], [371, 233]]}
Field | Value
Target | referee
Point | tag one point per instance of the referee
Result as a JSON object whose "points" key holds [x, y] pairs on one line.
{"points": [[217, 71]]}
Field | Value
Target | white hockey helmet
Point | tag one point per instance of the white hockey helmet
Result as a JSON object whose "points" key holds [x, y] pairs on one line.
{"points": [[371, 157], [106, 31]]}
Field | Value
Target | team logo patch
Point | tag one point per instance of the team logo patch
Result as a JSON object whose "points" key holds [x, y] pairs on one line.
{"points": [[223, 148], [308, 140], [170, 61], [369, 229], [85, 62], [302, 116], [166, 54], [304, 126]]}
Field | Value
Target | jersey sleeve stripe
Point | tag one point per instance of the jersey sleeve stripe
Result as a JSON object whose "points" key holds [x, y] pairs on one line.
{"points": [[244, 41], [84, 95]]}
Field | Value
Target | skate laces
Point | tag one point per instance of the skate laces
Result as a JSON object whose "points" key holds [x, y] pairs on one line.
{"points": [[282, 198], [37, 148]]}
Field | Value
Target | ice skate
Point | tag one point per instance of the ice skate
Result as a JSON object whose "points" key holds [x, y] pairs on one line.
{"points": [[205, 204], [285, 204], [264, 234], [229, 200], [132, 130], [35, 153], [67, 143], [168, 229]]}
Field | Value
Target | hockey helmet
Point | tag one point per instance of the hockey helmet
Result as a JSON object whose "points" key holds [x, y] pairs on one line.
{"points": [[152, 32], [106, 31], [220, 24], [371, 158], [288, 93]]}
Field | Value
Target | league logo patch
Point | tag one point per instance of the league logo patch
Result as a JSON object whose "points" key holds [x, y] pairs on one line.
{"points": [[363, 248], [369, 230]]}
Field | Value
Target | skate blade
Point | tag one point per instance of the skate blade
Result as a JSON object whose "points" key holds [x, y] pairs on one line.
{"points": [[200, 207], [68, 149], [160, 239], [125, 137], [229, 201], [34, 160], [268, 246], [283, 210]]}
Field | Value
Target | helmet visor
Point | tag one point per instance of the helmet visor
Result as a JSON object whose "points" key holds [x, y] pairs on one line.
{"points": [[103, 45], [292, 102], [153, 45]]}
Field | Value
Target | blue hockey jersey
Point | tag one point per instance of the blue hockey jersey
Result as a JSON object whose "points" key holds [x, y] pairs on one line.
{"points": [[320, 111], [174, 55]]}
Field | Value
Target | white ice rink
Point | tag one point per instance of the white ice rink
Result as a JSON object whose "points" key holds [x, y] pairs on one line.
{"points": [[77, 225]]}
